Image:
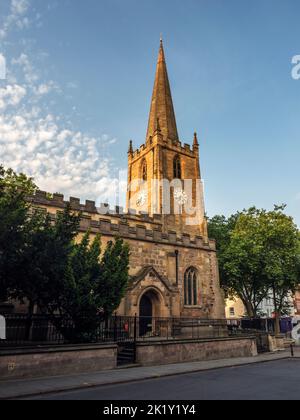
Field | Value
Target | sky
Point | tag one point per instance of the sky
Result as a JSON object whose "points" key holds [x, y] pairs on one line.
{"points": [[79, 82]]}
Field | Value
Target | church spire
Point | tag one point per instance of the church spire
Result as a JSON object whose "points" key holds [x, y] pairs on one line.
{"points": [[162, 109]]}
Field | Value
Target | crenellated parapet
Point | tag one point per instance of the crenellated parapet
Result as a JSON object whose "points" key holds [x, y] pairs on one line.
{"points": [[176, 146], [140, 232], [114, 222], [58, 201]]}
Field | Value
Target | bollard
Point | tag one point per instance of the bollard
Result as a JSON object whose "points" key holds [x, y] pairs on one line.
{"points": [[292, 350]]}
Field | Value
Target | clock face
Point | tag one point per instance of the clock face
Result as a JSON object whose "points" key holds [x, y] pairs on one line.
{"points": [[142, 198], [181, 197]]}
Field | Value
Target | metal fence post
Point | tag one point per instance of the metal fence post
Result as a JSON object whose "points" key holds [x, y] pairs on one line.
{"points": [[135, 328], [135, 338], [115, 328]]}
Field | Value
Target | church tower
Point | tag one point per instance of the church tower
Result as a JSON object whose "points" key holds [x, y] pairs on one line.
{"points": [[164, 174], [173, 265]]}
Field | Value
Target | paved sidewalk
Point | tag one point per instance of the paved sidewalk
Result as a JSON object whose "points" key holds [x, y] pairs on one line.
{"points": [[33, 387]]}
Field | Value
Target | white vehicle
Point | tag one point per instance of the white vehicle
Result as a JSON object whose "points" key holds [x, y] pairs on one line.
{"points": [[296, 331], [2, 328]]}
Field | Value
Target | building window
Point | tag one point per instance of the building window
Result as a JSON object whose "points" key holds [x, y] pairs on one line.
{"points": [[191, 287], [177, 168], [231, 311], [144, 170]]}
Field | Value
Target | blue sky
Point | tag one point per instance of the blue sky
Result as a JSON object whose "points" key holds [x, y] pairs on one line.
{"points": [[79, 83]]}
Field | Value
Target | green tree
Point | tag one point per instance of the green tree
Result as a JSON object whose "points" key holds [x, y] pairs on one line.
{"points": [[242, 263], [16, 223], [45, 258], [114, 275], [220, 228], [69, 280], [91, 287], [280, 255], [258, 252], [41, 262]]}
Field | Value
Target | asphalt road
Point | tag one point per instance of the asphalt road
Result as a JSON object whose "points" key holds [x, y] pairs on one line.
{"points": [[279, 380]]}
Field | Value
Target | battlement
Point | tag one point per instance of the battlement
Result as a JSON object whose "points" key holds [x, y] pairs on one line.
{"points": [[187, 147], [58, 201], [141, 233], [139, 151], [177, 146], [131, 225]]}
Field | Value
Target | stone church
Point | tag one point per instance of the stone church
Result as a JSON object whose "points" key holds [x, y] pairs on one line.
{"points": [[173, 263]]}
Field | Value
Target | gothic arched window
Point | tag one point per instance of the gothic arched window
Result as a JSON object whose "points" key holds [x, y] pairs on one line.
{"points": [[144, 170], [177, 167], [191, 287]]}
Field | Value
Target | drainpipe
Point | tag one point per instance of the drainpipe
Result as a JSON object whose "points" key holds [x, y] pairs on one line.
{"points": [[177, 267]]}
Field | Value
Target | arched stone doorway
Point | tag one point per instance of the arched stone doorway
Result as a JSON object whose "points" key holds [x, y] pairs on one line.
{"points": [[148, 309], [146, 306]]}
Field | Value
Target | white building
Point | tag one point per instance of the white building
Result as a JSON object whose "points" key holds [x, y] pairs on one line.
{"points": [[236, 309]]}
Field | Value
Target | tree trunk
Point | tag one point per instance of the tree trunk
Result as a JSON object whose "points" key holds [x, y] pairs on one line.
{"points": [[249, 308]]}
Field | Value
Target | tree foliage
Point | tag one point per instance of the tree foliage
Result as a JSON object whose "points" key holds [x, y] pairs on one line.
{"points": [[16, 223], [93, 285], [220, 228], [45, 257], [258, 253], [43, 261]]}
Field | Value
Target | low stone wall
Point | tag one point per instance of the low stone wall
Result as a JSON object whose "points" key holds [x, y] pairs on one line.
{"points": [[63, 360], [277, 343], [177, 351]]}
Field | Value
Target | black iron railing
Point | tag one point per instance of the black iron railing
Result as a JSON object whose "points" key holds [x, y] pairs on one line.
{"points": [[260, 324], [41, 330]]}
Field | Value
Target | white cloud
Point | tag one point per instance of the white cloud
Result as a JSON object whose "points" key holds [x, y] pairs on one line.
{"points": [[31, 75], [11, 96], [45, 88], [16, 18], [36, 141], [60, 160], [19, 7]]}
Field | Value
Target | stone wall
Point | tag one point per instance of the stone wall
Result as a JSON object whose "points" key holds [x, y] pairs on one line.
{"points": [[31, 363], [54, 361], [151, 247], [167, 352], [113, 221], [162, 258]]}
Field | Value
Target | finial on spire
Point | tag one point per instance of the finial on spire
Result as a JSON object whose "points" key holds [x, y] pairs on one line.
{"points": [[196, 143], [161, 38], [130, 150]]}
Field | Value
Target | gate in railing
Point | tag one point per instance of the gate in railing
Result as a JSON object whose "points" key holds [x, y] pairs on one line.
{"points": [[262, 342]]}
